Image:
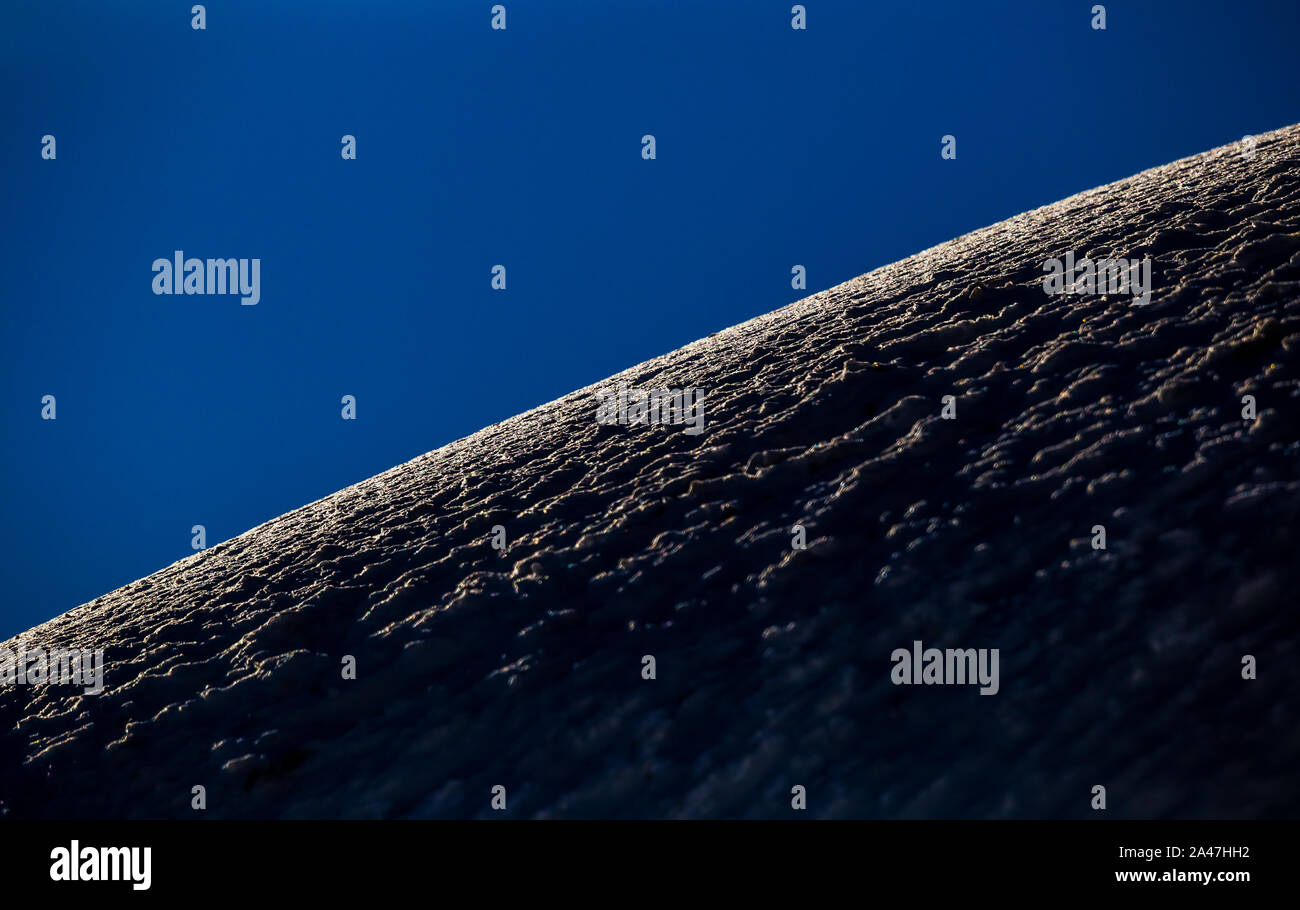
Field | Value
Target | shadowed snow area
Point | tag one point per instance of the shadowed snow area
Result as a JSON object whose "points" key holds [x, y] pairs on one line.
{"points": [[1120, 667]]}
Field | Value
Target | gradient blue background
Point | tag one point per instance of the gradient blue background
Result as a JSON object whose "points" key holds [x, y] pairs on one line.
{"points": [[478, 147]]}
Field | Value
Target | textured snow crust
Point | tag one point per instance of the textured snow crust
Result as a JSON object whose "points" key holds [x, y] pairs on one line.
{"points": [[1119, 667]]}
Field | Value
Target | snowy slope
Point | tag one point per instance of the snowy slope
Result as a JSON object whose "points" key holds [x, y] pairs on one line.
{"points": [[1119, 667]]}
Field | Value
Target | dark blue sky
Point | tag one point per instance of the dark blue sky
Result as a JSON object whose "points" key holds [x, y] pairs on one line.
{"points": [[478, 147]]}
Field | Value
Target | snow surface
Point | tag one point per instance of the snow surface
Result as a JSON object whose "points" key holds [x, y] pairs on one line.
{"points": [[1119, 667]]}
